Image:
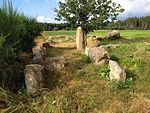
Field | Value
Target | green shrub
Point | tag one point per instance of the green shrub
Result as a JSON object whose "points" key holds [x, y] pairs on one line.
{"points": [[10, 69], [21, 29], [17, 33]]}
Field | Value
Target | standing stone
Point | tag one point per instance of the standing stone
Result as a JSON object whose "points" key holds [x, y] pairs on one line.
{"points": [[79, 39], [116, 72], [34, 77]]}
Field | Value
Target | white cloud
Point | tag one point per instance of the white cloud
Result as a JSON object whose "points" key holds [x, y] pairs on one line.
{"points": [[40, 18], [46, 19], [134, 8]]}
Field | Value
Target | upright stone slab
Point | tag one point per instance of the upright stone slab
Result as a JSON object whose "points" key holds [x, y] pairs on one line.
{"points": [[79, 39], [38, 54], [33, 77], [116, 72]]}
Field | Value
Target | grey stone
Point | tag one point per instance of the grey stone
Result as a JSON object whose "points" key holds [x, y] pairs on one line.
{"points": [[55, 63], [109, 46], [34, 77], [116, 72], [38, 54], [79, 39], [97, 55], [114, 34]]}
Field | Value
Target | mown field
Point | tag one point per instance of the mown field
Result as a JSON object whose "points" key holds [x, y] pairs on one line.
{"points": [[124, 33], [85, 88]]}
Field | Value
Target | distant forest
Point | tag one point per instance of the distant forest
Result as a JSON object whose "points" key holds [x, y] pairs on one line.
{"points": [[139, 23]]}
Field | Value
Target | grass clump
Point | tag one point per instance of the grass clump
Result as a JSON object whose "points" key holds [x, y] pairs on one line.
{"points": [[86, 59], [17, 33]]}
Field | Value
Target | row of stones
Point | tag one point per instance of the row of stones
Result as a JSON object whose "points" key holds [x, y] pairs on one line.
{"points": [[35, 71], [100, 56]]}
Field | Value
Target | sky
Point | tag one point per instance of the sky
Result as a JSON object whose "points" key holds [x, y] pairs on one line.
{"points": [[43, 10]]}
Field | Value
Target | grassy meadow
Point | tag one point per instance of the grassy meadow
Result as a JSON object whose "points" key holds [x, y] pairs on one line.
{"points": [[85, 88], [124, 33], [82, 87]]}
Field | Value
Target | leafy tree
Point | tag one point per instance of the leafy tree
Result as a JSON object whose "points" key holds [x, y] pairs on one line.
{"points": [[87, 13]]}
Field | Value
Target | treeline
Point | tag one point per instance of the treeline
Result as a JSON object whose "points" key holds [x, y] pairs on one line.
{"points": [[139, 23], [55, 27]]}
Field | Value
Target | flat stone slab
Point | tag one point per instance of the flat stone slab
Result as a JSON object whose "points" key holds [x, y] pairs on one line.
{"points": [[54, 63]]}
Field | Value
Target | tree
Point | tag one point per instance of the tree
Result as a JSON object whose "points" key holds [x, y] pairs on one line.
{"points": [[87, 13]]}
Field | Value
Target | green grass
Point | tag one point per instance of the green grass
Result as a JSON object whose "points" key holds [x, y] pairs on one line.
{"points": [[82, 87], [124, 33], [89, 89], [59, 33]]}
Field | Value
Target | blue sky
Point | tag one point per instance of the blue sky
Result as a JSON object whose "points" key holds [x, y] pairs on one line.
{"points": [[43, 9]]}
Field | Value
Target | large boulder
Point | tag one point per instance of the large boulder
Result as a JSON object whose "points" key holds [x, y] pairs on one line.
{"points": [[98, 55], [34, 77], [79, 39], [114, 35], [116, 72], [38, 54], [55, 63]]}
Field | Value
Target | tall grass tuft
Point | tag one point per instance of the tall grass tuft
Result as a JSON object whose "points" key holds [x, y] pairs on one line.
{"points": [[17, 33]]}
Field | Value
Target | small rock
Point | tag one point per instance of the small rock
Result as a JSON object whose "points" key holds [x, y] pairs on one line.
{"points": [[34, 77], [109, 46], [116, 72], [55, 63]]}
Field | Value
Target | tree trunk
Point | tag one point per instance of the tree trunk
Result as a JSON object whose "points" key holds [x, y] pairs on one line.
{"points": [[84, 40]]}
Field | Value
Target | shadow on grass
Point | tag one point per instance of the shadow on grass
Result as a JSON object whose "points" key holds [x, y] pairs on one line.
{"points": [[59, 78], [58, 51], [126, 41]]}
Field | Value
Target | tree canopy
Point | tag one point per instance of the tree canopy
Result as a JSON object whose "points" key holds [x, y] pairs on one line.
{"points": [[87, 13]]}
